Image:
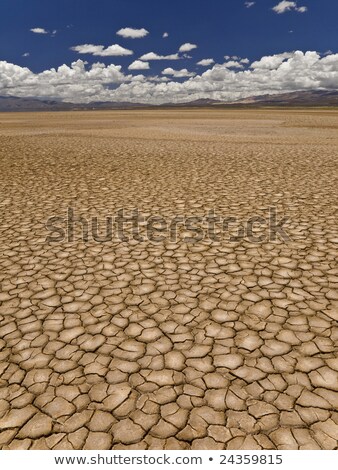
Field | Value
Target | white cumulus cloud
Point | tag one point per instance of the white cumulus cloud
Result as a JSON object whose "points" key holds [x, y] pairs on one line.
{"points": [[249, 4], [271, 62], [154, 56], [139, 65], [165, 35], [113, 50], [279, 73], [206, 62], [187, 47], [132, 33], [74, 83], [233, 64], [286, 5], [232, 57], [39, 30], [183, 73]]}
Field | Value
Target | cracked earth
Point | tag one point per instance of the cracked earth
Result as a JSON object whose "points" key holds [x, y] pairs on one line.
{"points": [[169, 345]]}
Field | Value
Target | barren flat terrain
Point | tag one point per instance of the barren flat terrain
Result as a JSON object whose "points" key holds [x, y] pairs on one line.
{"points": [[221, 339]]}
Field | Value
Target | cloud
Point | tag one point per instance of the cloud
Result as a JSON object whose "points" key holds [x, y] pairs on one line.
{"points": [[206, 62], [187, 47], [156, 78], [139, 65], [271, 62], [26, 54], [232, 57], [132, 33], [286, 5], [74, 83], [154, 56], [183, 73], [233, 64], [279, 73], [235, 61], [165, 35], [249, 4], [114, 50], [39, 30]]}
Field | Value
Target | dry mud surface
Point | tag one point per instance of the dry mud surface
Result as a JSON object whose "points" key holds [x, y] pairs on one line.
{"points": [[217, 344]]}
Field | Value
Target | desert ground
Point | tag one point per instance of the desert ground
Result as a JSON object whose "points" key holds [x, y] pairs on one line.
{"points": [[161, 342]]}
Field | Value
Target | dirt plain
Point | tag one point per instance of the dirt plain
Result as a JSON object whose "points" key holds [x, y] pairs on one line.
{"points": [[145, 344]]}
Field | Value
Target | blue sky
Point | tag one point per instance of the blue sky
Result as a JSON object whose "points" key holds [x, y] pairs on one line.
{"points": [[218, 28]]}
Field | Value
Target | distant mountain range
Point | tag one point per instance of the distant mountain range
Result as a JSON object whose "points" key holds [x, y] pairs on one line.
{"points": [[13, 103], [298, 99]]}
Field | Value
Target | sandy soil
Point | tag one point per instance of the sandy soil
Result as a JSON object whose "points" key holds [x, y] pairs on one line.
{"points": [[170, 344]]}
